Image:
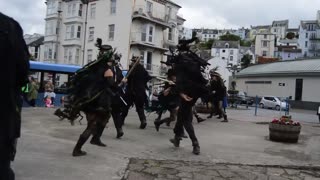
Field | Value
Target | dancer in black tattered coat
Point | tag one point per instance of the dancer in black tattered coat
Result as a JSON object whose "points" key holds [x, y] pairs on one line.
{"points": [[136, 93]]}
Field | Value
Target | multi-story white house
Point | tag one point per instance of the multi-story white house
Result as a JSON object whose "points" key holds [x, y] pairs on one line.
{"points": [[136, 28], [227, 51], [185, 33], [309, 37], [225, 54], [265, 44], [279, 28], [258, 29]]}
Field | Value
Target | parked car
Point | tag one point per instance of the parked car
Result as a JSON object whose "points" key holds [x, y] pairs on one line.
{"points": [[240, 98], [272, 102]]}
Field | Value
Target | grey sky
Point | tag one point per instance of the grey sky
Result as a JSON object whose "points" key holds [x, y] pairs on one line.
{"points": [[198, 13]]}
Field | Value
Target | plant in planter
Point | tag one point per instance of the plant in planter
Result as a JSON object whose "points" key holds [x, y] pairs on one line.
{"points": [[233, 94], [284, 130]]}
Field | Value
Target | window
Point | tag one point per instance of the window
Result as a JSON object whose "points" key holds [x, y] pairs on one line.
{"points": [[265, 43], [227, 45], [288, 55], [306, 35], [93, 11], [72, 9], [275, 30], [231, 52], [223, 50], [68, 53], [265, 36], [170, 35], [50, 27], [70, 56], [144, 33], [142, 57], [48, 51], [231, 58], [91, 34], [80, 10], [89, 55], [77, 57], [113, 7], [79, 32], [111, 32], [149, 60], [150, 39], [149, 7], [264, 53], [70, 32], [223, 58], [306, 44], [51, 7]]}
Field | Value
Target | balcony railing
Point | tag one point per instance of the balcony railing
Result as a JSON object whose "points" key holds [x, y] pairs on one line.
{"points": [[154, 14]]}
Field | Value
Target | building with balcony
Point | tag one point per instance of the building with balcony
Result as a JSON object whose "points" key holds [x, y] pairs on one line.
{"points": [[309, 37], [145, 28]]}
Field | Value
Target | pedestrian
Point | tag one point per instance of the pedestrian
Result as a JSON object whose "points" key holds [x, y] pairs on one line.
{"points": [[220, 94], [49, 86], [14, 57], [33, 92]]}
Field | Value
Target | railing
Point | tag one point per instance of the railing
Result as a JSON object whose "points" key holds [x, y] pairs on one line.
{"points": [[154, 14], [140, 37]]}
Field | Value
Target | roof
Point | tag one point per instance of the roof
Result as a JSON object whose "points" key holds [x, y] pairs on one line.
{"points": [[261, 27], [222, 44], [174, 3], [310, 67], [33, 39], [280, 23], [41, 66], [304, 23]]}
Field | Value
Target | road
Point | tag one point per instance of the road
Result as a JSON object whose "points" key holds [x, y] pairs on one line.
{"points": [[44, 150]]}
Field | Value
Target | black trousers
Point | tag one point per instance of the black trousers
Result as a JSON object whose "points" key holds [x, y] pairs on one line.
{"points": [[184, 120], [138, 101], [6, 173]]}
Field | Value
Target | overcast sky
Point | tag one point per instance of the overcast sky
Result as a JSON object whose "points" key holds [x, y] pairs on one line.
{"points": [[198, 13]]}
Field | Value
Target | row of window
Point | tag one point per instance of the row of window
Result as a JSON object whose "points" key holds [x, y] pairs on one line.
{"points": [[76, 9]]}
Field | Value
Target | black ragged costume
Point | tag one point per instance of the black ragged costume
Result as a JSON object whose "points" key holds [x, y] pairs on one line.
{"points": [[136, 93], [190, 81], [90, 91]]}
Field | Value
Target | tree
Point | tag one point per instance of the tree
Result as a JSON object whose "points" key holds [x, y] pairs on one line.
{"points": [[230, 37], [245, 43], [290, 35], [206, 45], [246, 61]]}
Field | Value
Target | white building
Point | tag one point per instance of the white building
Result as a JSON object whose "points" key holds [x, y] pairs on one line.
{"points": [[35, 45], [265, 44], [185, 33], [279, 28], [309, 37], [298, 79], [225, 54], [248, 50], [140, 27]]}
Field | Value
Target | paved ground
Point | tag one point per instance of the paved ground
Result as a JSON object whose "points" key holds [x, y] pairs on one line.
{"points": [[146, 169], [44, 151]]}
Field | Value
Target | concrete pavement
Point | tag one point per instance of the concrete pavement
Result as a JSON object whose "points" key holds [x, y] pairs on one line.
{"points": [[44, 151]]}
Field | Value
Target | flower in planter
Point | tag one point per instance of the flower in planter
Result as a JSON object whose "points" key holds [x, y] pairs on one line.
{"points": [[285, 121]]}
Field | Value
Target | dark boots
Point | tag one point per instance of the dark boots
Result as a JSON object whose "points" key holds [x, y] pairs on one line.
{"points": [[175, 141], [142, 117], [96, 138], [196, 148], [225, 118], [77, 149], [119, 133]]}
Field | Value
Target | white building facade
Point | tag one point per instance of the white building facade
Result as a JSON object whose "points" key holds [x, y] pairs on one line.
{"points": [[35, 45], [134, 28], [265, 44], [227, 51]]}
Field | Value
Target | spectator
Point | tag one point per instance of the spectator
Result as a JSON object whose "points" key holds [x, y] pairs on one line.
{"points": [[13, 76], [33, 92], [48, 86], [49, 94]]}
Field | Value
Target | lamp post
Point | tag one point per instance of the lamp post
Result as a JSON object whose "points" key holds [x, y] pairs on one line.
{"points": [[233, 69], [86, 2]]}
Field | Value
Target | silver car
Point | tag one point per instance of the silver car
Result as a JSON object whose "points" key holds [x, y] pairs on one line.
{"points": [[272, 102]]}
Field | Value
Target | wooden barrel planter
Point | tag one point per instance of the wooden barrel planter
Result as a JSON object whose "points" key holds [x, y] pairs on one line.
{"points": [[203, 109], [284, 133]]}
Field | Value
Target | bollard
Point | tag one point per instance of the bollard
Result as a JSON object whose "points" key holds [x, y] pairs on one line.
{"points": [[256, 109], [287, 106]]}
